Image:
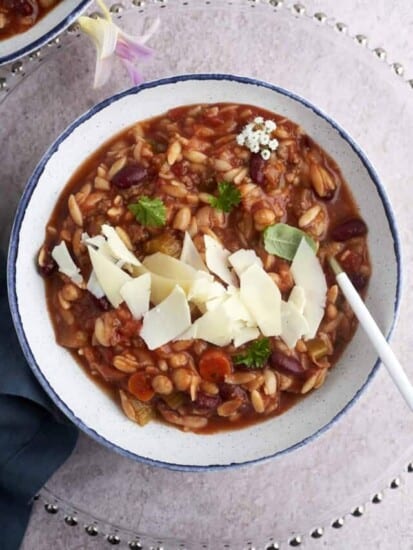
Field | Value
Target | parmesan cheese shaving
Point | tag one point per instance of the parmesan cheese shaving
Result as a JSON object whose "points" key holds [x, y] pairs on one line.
{"points": [[169, 267], [110, 277], [262, 298], [307, 273], [191, 256], [244, 335], [242, 259], [94, 287], [65, 263], [216, 257], [136, 294], [214, 327], [294, 324], [118, 248], [167, 320]]}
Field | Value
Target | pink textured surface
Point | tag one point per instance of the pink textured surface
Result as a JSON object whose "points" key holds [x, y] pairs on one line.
{"points": [[365, 450]]}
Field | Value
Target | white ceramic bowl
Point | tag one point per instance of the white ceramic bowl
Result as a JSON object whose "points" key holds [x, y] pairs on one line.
{"points": [[52, 24], [71, 389]]}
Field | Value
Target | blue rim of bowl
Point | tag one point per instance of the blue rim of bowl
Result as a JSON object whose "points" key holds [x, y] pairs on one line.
{"points": [[48, 36], [14, 245]]}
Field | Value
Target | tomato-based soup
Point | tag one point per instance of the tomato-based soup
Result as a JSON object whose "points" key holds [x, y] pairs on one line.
{"points": [[223, 215], [18, 16]]}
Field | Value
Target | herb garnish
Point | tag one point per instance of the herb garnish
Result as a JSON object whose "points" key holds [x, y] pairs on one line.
{"points": [[283, 240], [256, 356], [150, 212], [228, 197]]}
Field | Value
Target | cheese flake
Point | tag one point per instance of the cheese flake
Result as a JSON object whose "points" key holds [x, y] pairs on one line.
{"points": [[262, 298], [167, 320], [117, 247], [307, 273], [161, 287], [297, 297], [94, 287], [244, 335], [65, 263], [203, 291], [237, 311], [242, 259], [110, 277], [214, 327], [189, 334], [136, 294], [190, 254], [216, 257], [294, 324], [169, 267]]}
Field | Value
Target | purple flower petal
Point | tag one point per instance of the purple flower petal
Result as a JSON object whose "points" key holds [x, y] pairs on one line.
{"points": [[134, 74], [126, 49]]}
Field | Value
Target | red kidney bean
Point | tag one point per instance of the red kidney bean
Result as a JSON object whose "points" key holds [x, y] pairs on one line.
{"points": [[359, 280], [231, 391], [204, 401], [306, 141], [286, 364], [132, 174], [24, 8], [348, 230], [257, 164], [351, 261], [102, 303], [107, 372], [48, 268]]}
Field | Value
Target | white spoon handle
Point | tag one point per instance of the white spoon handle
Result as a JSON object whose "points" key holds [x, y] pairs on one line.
{"points": [[379, 342]]}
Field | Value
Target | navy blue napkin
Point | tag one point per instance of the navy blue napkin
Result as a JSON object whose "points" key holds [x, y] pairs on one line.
{"points": [[35, 439]]}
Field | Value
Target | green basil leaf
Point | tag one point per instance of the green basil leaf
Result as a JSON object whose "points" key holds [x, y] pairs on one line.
{"points": [[283, 240]]}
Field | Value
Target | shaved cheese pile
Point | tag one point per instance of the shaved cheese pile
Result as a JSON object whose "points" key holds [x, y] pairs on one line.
{"points": [[237, 299]]}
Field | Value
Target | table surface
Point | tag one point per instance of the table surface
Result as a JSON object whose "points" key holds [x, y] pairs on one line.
{"points": [[387, 525]]}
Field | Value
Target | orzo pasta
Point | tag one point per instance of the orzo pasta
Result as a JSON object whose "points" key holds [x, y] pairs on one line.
{"points": [[186, 266]]}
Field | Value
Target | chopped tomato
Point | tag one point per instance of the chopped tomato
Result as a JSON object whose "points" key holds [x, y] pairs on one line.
{"points": [[214, 365], [140, 386]]}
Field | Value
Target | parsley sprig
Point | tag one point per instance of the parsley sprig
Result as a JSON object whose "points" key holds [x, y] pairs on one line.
{"points": [[150, 212], [228, 197], [256, 355]]}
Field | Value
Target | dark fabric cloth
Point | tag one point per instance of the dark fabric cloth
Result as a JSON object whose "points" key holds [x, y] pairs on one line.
{"points": [[35, 439]]}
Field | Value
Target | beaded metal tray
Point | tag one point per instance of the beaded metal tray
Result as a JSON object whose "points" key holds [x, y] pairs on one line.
{"points": [[317, 487]]}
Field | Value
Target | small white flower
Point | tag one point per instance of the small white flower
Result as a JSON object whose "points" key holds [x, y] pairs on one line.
{"points": [[273, 144], [256, 136], [270, 125], [255, 148], [240, 139]]}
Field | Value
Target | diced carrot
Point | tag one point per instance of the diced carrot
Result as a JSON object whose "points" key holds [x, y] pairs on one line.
{"points": [[214, 365], [139, 385]]}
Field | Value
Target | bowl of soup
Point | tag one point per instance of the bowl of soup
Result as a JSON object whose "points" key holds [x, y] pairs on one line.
{"points": [[27, 25], [169, 278]]}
